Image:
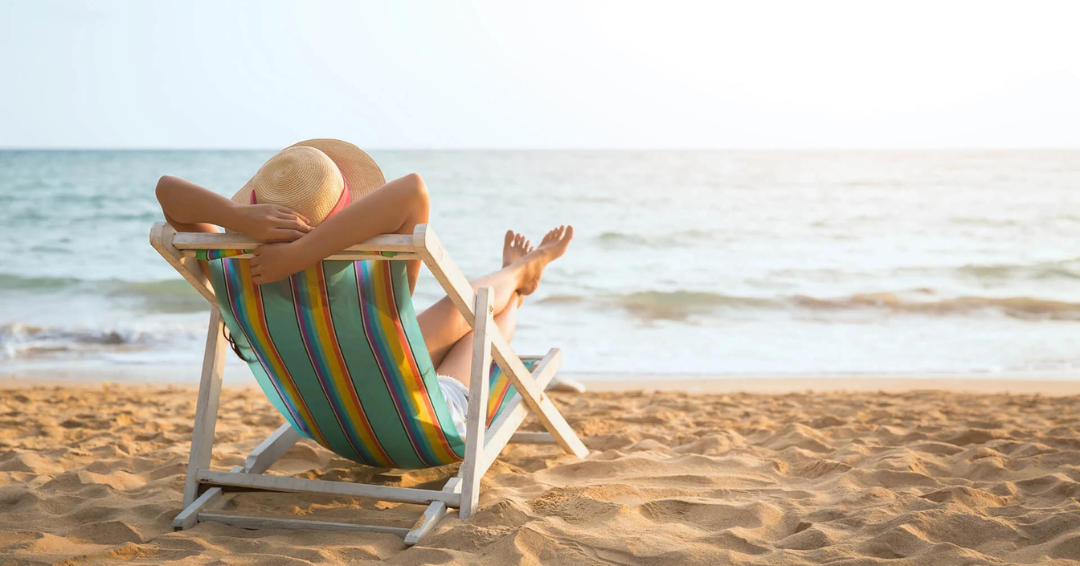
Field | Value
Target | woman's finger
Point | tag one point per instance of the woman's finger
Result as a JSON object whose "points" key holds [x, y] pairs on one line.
{"points": [[293, 215], [286, 234], [292, 224], [303, 221]]}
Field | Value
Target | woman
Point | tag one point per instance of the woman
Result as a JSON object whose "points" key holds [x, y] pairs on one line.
{"points": [[318, 197]]}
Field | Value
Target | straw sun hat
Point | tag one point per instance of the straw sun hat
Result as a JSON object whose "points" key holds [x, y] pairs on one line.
{"points": [[310, 177]]}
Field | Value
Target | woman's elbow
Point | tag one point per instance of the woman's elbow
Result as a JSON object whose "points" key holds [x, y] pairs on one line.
{"points": [[418, 193], [165, 186]]}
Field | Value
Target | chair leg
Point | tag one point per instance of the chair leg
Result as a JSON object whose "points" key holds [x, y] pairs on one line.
{"points": [[208, 500], [432, 515], [478, 399], [202, 435]]}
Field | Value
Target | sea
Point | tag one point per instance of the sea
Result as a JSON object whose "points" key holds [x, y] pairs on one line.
{"points": [[694, 263]]}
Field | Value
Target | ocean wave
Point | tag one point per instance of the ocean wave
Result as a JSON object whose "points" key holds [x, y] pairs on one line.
{"points": [[622, 238], [682, 237], [682, 305], [164, 296], [1029, 308], [26, 341], [667, 305], [1041, 271], [984, 222], [13, 282]]}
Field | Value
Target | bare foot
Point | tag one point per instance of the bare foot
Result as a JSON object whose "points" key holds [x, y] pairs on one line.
{"points": [[551, 247], [515, 246]]}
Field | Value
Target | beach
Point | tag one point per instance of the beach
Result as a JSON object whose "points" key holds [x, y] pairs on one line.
{"points": [[793, 357], [797, 472]]}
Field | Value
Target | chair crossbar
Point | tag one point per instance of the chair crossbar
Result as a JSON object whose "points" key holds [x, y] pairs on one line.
{"points": [[232, 241], [247, 522], [341, 256], [271, 450], [258, 482]]}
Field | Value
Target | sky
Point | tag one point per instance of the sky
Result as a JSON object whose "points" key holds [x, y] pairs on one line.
{"points": [[553, 74]]}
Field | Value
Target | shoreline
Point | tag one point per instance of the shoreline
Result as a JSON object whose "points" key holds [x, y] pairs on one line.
{"points": [[1045, 383]]}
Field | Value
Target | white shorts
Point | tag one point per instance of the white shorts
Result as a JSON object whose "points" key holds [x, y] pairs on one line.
{"points": [[457, 400]]}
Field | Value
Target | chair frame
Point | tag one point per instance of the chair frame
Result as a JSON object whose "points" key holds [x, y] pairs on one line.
{"points": [[204, 489]]}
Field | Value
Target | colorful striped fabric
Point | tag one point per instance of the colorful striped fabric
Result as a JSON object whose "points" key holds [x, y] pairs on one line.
{"points": [[337, 349]]}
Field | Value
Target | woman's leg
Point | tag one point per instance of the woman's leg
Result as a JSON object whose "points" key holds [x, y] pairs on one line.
{"points": [[443, 326], [458, 361]]}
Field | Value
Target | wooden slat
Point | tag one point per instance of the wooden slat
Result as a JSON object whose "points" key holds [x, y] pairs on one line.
{"points": [[206, 406], [506, 424], [476, 420], [325, 487], [270, 450], [341, 256], [444, 269], [434, 513], [246, 522], [233, 241], [161, 239]]}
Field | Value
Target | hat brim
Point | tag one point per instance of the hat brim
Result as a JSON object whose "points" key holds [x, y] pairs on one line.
{"points": [[361, 173]]}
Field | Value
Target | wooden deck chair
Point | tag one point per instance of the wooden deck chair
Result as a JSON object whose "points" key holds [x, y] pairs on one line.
{"points": [[338, 351]]}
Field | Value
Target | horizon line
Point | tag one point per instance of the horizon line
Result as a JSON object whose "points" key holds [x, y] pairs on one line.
{"points": [[611, 149]]}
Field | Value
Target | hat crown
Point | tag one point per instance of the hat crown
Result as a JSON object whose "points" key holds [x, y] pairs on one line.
{"points": [[301, 178], [308, 177]]}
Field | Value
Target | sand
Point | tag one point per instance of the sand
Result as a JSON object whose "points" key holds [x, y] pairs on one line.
{"points": [[94, 474]]}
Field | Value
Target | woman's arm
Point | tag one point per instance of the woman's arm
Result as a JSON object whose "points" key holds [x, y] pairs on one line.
{"points": [[191, 208], [395, 208]]}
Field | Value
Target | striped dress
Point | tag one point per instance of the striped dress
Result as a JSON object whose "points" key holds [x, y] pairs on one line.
{"points": [[338, 351]]}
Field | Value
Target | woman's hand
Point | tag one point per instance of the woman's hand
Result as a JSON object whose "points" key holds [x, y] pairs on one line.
{"points": [[270, 222], [274, 262]]}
